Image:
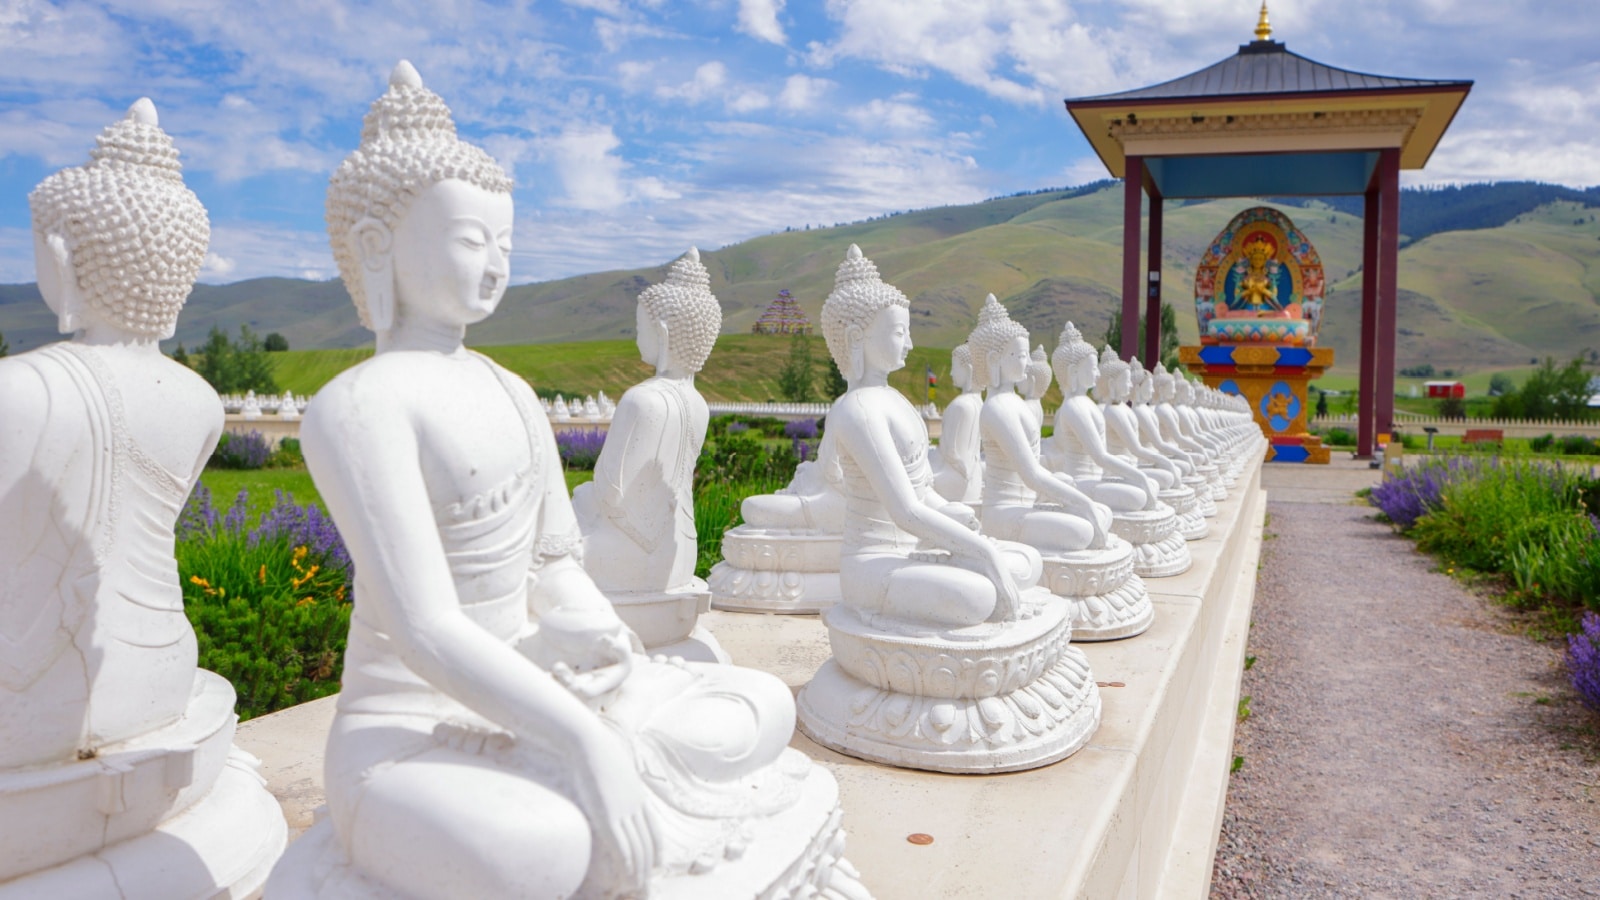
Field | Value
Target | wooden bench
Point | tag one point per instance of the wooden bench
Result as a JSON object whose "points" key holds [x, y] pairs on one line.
{"points": [[1483, 436]]}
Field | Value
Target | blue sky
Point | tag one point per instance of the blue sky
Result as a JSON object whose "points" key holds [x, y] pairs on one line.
{"points": [[635, 128]]}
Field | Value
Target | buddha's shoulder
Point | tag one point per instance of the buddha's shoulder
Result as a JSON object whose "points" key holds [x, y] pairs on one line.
{"points": [[22, 387]]}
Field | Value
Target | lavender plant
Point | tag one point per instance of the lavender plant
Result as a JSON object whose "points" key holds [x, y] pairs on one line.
{"points": [[242, 451], [800, 429], [580, 449], [1583, 661]]}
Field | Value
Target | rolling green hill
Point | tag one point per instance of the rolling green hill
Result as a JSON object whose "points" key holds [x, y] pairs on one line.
{"points": [[1519, 283]]}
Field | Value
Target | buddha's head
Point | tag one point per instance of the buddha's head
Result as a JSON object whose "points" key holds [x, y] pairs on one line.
{"points": [[1257, 251], [961, 368], [419, 220], [1141, 387], [1116, 379], [679, 318], [1039, 375], [120, 239], [999, 346], [1074, 361], [1162, 380], [866, 323], [1182, 390]]}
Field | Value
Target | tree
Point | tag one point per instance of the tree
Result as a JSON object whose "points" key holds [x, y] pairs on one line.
{"points": [[1549, 393], [236, 367], [181, 356], [275, 343], [797, 378], [1452, 408], [833, 383], [1500, 383], [1322, 402], [1169, 335], [4, 347]]}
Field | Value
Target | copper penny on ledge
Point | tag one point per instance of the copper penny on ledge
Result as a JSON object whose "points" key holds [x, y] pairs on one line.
{"points": [[919, 838]]}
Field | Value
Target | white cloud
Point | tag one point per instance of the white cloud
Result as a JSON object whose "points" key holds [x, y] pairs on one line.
{"points": [[749, 101], [592, 175], [708, 81], [217, 267], [893, 115], [759, 19], [802, 92]]}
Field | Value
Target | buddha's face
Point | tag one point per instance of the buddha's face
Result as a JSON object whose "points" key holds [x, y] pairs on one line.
{"points": [[451, 253], [887, 340], [960, 373], [648, 341], [1014, 360], [1122, 389]]}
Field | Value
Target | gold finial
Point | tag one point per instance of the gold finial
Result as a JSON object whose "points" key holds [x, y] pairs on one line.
{"points": [[1263, 27]]}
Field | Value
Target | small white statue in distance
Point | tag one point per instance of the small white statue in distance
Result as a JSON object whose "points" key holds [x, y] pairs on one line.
{"points": [[496, 735], [1171, 427], [1078, 449], [945, 655], [110, 738], [637, 515], [1150, 436], [252, 405], [1035, 384], [1114, 389], [1083, 563], [957, 461]]}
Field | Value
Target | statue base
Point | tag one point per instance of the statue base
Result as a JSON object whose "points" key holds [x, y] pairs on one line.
{"points": [[1205, 503], [1107, 599], [178, 812], [997, 697], [1191, 522], [795, 853], [1159, 550], [667, 621], [1274, 380], [776, 571]]}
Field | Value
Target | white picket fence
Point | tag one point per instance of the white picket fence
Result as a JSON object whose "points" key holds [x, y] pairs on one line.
{"points": [[1414, 423]]}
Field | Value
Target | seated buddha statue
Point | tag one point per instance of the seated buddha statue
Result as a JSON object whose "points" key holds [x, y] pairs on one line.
{"points": [[957, 461], [1035, 384], [934, 620], [1114, 390], [107, 728], [1175, 430], [1078, 448], [1191, 467], [497, 733], [1258, 290], [637, 515], [1082, 561]]}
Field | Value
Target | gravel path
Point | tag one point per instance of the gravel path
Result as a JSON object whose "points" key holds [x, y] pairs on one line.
{"points": [[1404, 740]]}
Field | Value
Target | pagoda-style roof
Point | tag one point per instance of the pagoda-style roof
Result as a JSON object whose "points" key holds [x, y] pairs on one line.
{"points": [[1268, 121], [783, 316]]}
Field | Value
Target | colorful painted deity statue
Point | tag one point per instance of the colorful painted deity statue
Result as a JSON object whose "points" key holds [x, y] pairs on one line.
{"points": [[1260, 282]]}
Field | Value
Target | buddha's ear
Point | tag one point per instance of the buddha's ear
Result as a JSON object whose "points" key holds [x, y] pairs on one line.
{"points": [[857, 341], [663, 360], [374, 246], [66, 299], [994, 369]]}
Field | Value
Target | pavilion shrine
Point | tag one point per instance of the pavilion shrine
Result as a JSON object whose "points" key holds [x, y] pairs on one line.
{"points": [[1267, 122]]}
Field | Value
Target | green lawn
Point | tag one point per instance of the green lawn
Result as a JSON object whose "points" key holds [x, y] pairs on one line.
{"points": [[262, 485]]}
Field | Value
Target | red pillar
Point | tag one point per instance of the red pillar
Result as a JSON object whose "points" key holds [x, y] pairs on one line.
{"points": [[1388, 285], [1369, 324], [1152, 303], [1132, 199]]}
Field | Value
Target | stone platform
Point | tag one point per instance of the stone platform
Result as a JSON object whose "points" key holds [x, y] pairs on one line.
{"points": [[1135, 813]]}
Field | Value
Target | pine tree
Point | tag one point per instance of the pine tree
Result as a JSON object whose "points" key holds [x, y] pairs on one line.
{"points": [[796, 380]]}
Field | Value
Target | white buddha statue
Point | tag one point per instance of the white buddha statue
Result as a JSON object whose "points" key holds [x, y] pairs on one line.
{"points": [[1171, 425], [497, 735], [957, 461], [288, 407], [252, 405], [637, 515], [945, 655], [1078, 448], [1114, 390], [559, 412], [1083, 562], [110, 738], [1034, 385], [1190, 474]]}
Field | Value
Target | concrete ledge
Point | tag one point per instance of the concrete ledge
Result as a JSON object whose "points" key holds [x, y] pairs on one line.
{"points": [[1135, 813]]}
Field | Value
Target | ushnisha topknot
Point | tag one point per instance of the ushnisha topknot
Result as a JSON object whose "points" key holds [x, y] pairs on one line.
{"points": [[858, 295], [1039, 374], [1071, 349], [135, 235], [408, 143], [685, 302], [995, 330]]}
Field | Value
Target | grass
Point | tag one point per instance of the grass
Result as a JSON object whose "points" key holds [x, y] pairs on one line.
{"points": [[262, 484]]}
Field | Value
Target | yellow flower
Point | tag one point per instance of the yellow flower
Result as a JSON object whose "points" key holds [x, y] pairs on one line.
{"points": [[307, 601], [196, 579], [262, 575]]}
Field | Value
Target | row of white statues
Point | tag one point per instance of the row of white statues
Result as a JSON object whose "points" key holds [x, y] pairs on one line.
{"points": [[529, 706], [589, 408], [286, 405]]}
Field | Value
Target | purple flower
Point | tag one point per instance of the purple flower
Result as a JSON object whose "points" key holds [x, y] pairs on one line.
{"points": [[199, 517], [800, 428], [233, 521], [1583, 661], [580, 449], [306, 526], [242, 451], [802, 450]]}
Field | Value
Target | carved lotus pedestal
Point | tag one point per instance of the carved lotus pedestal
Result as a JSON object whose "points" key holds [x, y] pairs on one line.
{"points": [[776, 571], [1106, 598], [668, 622], [1159, 550], [997, 697], [1205, 503], [177, 812], [1191, 521]]}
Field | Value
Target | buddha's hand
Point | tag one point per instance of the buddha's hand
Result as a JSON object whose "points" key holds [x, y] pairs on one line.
{"points": [[613, 797], [961, 513], [1007, 599], [607, 664]]}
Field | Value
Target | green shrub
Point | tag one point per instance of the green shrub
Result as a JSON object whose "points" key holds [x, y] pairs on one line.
{"points": [[732, 467], [1341, 437], [270, 604]]}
